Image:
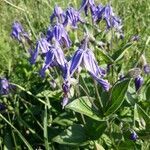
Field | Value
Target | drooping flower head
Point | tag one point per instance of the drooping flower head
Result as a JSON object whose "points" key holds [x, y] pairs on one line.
{"points": [[98, 13], [86, 57], [111, 19], [18, 32], [54, 55], [43, 45], [72, 17], [59, 33], [4, 86], [86, 4], [58, 14], [106, 13]]}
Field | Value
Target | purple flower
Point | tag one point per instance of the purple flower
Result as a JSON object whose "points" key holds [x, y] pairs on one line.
{"points": [[98, 13], [49, 34], [133, 136], [86, 57], [88, 4], [76, 61], [4, 86], [18, 32], [42, 44], [104, 83], [72, 17], [60, 34], [54, 55], [147, 69], [58, 13], [64, 101], [111, 19], [138, 82], [48, 60]]}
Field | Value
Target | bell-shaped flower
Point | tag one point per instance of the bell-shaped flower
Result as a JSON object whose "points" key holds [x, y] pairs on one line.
{"points": [[138, 82], [54, 55], [87, 59], [72, 17], [60, 34], [48, 60], [86, 4], [111, 19], [76, 60], [98, 13], [4, 86], [43, 45], [94, 70], [58, 14], [18, 32]]}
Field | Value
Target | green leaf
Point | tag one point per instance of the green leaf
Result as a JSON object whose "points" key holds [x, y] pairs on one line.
{"points": [[53, 94], [74, 135], [119, 53], [94, 129], [64, 119], [105, 56], [142, 112], [84, 106], [148, 93], [117, 96]]}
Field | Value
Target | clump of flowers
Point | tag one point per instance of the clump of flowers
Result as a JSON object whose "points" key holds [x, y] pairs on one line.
{"points": [[51, 46]]}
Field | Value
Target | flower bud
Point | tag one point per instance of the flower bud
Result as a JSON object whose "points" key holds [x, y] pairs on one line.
{"points": [[138, 82], [133, 136]]}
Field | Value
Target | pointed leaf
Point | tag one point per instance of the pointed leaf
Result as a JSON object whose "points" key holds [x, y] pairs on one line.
{"points": [[119, 53], [117, 96], [74, 135], [84, 106]]}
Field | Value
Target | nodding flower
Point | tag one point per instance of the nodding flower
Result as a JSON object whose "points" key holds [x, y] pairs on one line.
{"points": [[58, 14], [54, 55], [106, 13], [4, 86], [86, 4], [138, 82], [59, 33], [72, 17], [85, 57], [18, 32], [43, 45]]}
